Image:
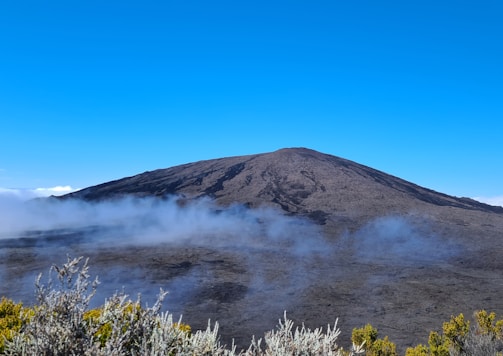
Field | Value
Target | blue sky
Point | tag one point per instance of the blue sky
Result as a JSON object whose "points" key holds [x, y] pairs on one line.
{"points": [[92, 91]]}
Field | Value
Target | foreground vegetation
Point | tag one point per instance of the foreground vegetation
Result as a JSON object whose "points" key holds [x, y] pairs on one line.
{"points": [[62, 324]]}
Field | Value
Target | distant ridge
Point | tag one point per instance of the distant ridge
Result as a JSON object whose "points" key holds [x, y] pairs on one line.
{"points": [[301, 181]]}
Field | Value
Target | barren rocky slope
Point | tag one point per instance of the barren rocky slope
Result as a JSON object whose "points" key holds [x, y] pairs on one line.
{"points": [[397, 255], [327, 189]]}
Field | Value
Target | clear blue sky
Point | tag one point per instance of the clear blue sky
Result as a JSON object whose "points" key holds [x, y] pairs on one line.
{"points": [[92, 91]]}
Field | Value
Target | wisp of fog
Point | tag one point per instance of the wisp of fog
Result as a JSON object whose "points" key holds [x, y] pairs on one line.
{"points": [[52, 227], [144, 221]]}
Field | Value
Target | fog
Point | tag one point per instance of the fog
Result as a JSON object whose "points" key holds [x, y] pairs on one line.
{"points": [[147, 221], [400, 240], [238, 265], [261, 249]]}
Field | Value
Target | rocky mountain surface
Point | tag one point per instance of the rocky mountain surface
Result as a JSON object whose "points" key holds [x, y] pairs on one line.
{"points": [[391, 253], [325, 188]]}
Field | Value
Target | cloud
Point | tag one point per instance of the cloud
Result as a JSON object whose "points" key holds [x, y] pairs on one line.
{"points": [[153, 220], [57, 190], [398, 240], [26, 194], [261, 249], [496, 200]]}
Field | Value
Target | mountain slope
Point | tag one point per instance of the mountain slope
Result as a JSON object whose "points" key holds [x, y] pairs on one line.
{"points": [[297, 180]]}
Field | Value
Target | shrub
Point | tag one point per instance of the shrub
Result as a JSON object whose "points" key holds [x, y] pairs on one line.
{"points": [[458, 338], [11, 320], [367, 335], [438, 344], [455, 332], [303, 341], [373, 346], [62, 324], [419, 350], [56, 326], [486, 338], [487, 325]]}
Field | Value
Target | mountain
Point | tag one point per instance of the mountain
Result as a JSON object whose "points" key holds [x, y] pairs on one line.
{"points": [[327, 189], [381, 250]]}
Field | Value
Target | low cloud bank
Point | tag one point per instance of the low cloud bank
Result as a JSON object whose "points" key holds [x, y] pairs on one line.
{"points": [[249, 257], [496, 201], [274, 250], [152, 221], [398, 240], [26, 194]]}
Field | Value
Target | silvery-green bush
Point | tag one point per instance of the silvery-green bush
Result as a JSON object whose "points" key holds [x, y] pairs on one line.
{"points": [[62, 324]]}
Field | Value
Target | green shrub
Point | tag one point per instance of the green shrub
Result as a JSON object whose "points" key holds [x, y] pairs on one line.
{"points": [[438, 344], [458, 338], [487, 324], [455, 331], [11, 320], [486, 338], [366, 335], [373, 346], [419, 350]]}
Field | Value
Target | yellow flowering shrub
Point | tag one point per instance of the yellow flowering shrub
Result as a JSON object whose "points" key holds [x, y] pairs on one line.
{"points": [[488, 325], [458, 338], [183, 327], [456, 331], [11, 320], [372, 345], [105, 327], [104, 331], [419, 350]]}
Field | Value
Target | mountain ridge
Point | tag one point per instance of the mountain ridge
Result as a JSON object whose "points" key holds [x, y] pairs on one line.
{"points": [[289, 178]]}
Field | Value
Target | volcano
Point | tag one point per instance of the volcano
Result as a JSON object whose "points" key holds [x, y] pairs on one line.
{"points": [[329, 190], [397, 255]]}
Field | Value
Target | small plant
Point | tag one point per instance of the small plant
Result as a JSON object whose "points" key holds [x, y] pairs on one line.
{"points": [[61, 324], [486, 338], [419, 350], [488, 325], [183, 327], [11, 320], [373, 346], [455, 332], [459, 338], [438, 344], [303, 341], [57, 326]]}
